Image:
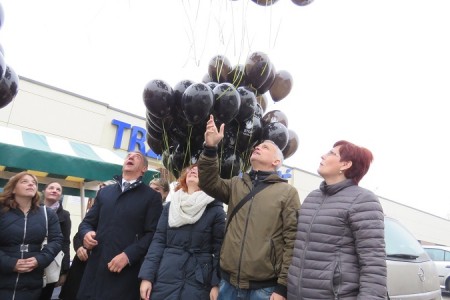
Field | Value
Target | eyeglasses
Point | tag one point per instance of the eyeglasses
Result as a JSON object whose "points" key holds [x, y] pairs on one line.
{"points": [[332, 153]]}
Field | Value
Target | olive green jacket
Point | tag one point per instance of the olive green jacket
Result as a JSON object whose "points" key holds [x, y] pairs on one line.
{"points": [[259, 241]]}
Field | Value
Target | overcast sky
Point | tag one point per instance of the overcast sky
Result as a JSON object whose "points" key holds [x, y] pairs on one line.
{"points": [[374, 73]]}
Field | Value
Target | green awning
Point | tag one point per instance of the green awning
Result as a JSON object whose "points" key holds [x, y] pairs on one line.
{"points": [[67, 161]]}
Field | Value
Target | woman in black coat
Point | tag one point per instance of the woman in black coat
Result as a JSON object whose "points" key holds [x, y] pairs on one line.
{"points": [[183, 259], [22, 232], [70, 288], [52, 193]]}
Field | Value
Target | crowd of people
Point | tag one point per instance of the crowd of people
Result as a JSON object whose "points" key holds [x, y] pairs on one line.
{"points": [[134, 244]]}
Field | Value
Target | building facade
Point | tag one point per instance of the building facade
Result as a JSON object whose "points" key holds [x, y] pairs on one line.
{"points": [[58, 114]]}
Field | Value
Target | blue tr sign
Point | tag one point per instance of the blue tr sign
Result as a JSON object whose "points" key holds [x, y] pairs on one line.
{"points": [[137, 138]]}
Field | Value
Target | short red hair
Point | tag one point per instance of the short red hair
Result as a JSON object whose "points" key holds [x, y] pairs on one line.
{"points": [[360, 157]]}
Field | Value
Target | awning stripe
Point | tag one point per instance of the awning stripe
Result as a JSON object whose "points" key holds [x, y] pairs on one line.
{"points": [[84, 151], [58, 146], [108, 155], [35, 141]]}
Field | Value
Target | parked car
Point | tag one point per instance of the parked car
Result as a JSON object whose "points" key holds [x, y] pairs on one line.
{"points": [[411, 274], [441, 257]]}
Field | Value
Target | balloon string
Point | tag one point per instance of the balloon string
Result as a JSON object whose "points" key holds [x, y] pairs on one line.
{"points": [[234, 152], [188, 146]]}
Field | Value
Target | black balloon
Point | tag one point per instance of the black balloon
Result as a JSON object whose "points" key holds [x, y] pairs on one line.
{"points": [[237, 76], [277, 133], [178, 91], [2, 66], [158, 98], [248, 104], [206, 78], [229, 140], [197, 102], [226, 102], [155, 144], [161, 125], [153, 131], [9, 86], [265, 2], [2, 16], [259, 110], [281, 86], [218, 69], [292, 144], [269, 81], [263, 102], [212, 84], [249, 134], [302, 2], [230, 164], [257, 69], [275, 116]]}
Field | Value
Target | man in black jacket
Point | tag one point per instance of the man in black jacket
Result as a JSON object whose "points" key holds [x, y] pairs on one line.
{"points": [[119, 229]]}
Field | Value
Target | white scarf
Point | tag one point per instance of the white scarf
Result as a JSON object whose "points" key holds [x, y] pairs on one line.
{"points": [[187, 208]]}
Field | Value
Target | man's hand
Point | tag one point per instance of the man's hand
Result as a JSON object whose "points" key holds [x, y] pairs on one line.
{"points": [[276, 296], [212, 136], [89, 240], [145, 289], [118, 263], [82, 254]]}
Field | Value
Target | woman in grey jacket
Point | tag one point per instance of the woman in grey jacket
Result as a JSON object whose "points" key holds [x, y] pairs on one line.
{"points": [[339, 248]]}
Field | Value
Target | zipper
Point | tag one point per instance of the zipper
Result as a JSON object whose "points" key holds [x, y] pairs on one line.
{"points": [[308, 235], [21, 252]]}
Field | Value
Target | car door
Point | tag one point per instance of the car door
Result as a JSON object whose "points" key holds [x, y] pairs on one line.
{"points": [[410, 272], [441, 259]]}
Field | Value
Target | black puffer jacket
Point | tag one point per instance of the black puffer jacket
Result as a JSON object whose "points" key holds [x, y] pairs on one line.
{"points": [[183, 262], [339, 251], [16, 228], [66, 225]]}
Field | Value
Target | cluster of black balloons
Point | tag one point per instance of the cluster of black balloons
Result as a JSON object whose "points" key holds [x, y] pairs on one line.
{"points": [[270, 2], [9, 81], [235, 96]]}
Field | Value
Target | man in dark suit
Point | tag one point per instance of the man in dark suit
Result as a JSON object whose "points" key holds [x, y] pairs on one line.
{"points": [[119, 229]]}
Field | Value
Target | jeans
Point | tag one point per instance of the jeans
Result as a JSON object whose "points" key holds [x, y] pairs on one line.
{"points": [[229, 292]]}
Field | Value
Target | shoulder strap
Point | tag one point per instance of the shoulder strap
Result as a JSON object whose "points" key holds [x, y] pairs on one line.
{"points": [[253, 192], [46, 220]]}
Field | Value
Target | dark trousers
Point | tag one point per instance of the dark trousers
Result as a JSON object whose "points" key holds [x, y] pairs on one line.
{"points": [[47, 291]]}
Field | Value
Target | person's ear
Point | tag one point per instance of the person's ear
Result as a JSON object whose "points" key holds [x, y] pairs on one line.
{"points": [[276, 163], [346, 165]]}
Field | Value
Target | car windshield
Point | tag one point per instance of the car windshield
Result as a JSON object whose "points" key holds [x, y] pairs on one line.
{"points": [[400, 243]]}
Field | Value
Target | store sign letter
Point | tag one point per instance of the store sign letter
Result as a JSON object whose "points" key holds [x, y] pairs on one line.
{"points": [[137, 138]]}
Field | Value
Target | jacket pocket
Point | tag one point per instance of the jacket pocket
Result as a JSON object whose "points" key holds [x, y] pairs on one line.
{"points": [[336, 282], [276, 265], [203, 271]]}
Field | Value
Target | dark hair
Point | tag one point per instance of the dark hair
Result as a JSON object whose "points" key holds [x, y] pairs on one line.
{"points": [[54, 181], [360, 157], [182, 179], [162, 182], [7, 198]]}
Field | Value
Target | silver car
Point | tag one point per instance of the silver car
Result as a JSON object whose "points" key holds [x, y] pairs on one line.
{"points": [[411, 274], [441, 257]]}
